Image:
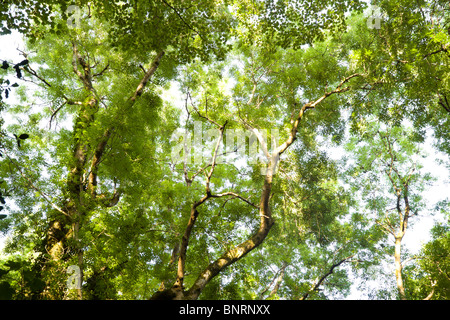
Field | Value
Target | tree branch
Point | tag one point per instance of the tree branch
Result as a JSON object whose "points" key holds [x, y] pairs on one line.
{"points": [[278, 278], [312, 105], [147, 76], [101, 72], [322, 279], [213, 162], [98, 153], [84, 76], [32, 72], [182, 19], [235, 195], [193, 217]]}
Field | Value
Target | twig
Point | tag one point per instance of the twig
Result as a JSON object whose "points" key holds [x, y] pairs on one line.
{"points": [[101, 72], [182, 19]]}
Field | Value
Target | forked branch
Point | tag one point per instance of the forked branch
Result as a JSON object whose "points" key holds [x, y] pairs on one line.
{"points": [[312, 105]]}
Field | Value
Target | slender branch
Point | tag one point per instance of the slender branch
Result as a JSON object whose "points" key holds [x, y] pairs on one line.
{"points": [[183, 20], [54, 113], [322, 279], [186, 177], [101, 72], [443, 48], [408, 260], [193, 217], [388, 221], [312, 105], [446, 107], [202, 116], [389, 230], [235, 195], [278, 277], [213, 162], [32, 72]]}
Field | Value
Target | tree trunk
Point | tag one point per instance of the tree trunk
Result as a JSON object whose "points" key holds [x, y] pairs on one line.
{"points": [[81, 193], [398, 266]]}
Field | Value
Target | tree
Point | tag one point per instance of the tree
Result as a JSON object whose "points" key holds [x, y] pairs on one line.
{"points": [[99, 186], [388, 172], [429, 275], [89, 141]]}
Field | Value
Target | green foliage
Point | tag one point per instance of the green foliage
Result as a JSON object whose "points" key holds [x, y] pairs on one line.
{"points": [[19, 279], [429, 274], [245, 64]]}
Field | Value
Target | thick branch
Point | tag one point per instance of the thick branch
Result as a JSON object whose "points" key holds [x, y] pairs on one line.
{"points": [[98, 153], [147, 76]]}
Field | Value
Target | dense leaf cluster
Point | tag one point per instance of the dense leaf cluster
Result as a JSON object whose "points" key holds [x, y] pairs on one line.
{"points": [[88, 173]]}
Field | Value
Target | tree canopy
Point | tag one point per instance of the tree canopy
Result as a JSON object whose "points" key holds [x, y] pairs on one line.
{"points": [[223, 149]]}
